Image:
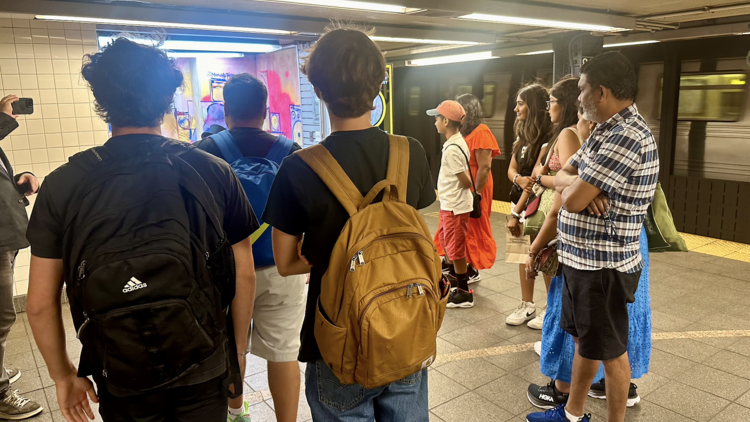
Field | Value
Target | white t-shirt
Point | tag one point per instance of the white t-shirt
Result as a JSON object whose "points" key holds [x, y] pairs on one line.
{"points": [[453, 196]]}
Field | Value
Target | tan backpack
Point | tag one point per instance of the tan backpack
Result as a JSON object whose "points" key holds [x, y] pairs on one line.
{"points": [[381, 302]]}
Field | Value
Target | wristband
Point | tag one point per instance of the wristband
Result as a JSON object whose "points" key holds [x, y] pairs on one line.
{"points": [[515, 215], [516, 177], [539, 179]]}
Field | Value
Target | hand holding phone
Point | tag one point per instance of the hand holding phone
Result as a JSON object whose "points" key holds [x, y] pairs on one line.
{"points": [[6, 105]]}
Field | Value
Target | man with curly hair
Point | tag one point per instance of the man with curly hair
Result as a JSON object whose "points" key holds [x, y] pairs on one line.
{"points": [[185, 370]]}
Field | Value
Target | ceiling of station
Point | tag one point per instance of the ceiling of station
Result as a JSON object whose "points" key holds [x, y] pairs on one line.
{"points": [[425, 19]]}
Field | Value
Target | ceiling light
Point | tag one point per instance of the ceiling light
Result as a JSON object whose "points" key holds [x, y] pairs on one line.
{"points": [[534, 53], [459, 58], [106, 21], [204, 54], [538, 22], [234, 47], [623, 44], [422, 41], [355, 5]]}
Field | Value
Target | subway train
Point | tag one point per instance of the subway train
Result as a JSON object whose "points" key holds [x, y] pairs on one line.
{"points": [[693, 94]]}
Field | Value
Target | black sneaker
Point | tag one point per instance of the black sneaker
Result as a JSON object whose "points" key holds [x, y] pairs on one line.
{"points": [[598, 391], [452, 279], [474, 275], [546, 396], [15, 407], [13, 374], [461, 299], [446, 267]]}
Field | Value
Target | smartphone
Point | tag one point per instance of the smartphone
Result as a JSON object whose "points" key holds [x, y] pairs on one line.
{"points": [[23, 106]]}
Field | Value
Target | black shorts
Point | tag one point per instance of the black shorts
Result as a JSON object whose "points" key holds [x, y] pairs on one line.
{"points": [[594, 310], [205, 402]]}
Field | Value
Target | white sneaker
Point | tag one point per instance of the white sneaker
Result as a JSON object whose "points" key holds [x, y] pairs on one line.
{"points": [[538, 348], [538, 322], [524, 312]]}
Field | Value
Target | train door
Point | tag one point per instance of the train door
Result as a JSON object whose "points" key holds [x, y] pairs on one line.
{"points": [[414, 122], [495, 94]]}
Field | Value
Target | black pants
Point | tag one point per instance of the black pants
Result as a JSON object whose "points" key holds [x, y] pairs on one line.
{"points": [[204, 402]]}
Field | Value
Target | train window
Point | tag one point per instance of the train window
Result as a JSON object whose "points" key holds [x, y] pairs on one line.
{"points": [[488, 101], [464, 89], [415, 93], [712, 96]]}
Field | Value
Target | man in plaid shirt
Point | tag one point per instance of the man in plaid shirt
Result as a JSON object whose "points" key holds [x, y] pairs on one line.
{"points": [[606, 189]]}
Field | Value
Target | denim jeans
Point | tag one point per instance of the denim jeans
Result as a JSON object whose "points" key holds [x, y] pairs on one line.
{"points": [[402, 401]]}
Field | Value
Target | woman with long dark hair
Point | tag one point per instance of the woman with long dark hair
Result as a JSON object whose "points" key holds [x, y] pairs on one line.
{"points": [[480, 245], [532, 130], [565, 141]]}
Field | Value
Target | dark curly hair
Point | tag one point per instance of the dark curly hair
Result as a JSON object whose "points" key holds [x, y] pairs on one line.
{"points": [[133, 84], [566, 92], [535, 130], [614, 71], [347, 68], [474, 113]]}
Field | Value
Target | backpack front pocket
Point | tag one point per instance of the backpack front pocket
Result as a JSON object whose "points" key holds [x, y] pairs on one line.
{"points": [[160, 341], [391, 318]]}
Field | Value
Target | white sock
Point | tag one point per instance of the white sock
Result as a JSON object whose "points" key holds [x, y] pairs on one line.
{"points": [[236, 412], [572, 418]]}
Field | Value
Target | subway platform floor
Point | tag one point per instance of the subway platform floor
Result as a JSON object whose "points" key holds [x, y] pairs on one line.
{"points": [[700, 361]]}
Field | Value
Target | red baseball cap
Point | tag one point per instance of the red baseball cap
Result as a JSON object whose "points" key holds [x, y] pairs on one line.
{"points": [[451, 110]]}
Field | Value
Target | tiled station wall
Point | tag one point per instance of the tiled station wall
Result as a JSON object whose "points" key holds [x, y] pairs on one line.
{"points": [[42, 60]]}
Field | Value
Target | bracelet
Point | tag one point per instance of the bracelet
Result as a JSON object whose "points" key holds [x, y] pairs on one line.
{"points": [[539, 179], [515, 215], [516, 177]]}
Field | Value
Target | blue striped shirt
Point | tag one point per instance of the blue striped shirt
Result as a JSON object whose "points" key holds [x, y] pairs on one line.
{"points": [[620, 158]]}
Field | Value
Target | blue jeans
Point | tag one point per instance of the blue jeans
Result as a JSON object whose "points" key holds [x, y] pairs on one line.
{"points": [[330, 401]]}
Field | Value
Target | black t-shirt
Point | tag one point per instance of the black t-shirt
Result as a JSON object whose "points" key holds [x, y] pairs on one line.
{"points": [[45, 231], [252, 142], [301, 203]]}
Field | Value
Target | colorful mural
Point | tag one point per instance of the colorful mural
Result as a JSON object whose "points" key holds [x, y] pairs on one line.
{"points": [[279, 72], [182, 122]]}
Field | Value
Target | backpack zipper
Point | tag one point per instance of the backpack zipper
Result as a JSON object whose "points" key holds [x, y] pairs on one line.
{"points": [[409, 291], [360, 258]]}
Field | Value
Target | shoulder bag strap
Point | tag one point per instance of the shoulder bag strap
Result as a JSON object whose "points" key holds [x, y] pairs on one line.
{"points": [[279, 149], [228, 148], [467, 163], [331, 173]]}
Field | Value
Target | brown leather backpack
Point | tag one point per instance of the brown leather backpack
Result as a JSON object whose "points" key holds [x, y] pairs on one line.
{"points": [[382, 302]]}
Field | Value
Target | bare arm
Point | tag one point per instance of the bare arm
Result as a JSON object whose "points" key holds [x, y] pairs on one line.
{"points": [[45, 317], [286, 252], [465, 179], [484, 161], [244, 298], [581, 195], [565, 178]]}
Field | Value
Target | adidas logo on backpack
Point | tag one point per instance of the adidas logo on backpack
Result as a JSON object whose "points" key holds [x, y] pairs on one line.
{"points": [[382, 302], [133, 284]]}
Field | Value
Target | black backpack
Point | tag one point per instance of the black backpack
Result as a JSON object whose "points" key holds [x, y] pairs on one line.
{"points": [[148, 271]]}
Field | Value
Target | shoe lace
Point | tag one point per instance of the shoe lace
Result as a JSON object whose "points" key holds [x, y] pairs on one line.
{"points": [[521, 308], [13, 399]]}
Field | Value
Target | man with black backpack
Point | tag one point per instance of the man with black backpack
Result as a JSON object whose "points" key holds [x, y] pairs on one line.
{"points": [[255, 155], [152, 239], [375, 301]]}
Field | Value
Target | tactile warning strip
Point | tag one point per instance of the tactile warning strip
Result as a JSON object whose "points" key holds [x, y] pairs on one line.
{"points": [[695, 243]]}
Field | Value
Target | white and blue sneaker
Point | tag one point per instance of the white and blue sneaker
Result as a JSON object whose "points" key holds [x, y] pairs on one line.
{"points": [[554, 415]]}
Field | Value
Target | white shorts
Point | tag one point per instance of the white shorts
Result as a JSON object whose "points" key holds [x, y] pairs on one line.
{"points": [[278, 315]]}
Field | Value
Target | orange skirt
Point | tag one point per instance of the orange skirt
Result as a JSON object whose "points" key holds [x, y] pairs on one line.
{"points": [[481, 248]]}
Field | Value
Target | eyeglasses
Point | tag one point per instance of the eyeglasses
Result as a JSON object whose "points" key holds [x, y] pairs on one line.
{"points": [[549, 103]]}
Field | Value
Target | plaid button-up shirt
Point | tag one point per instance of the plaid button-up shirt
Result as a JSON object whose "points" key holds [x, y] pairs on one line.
{"points": [[620, 158]]}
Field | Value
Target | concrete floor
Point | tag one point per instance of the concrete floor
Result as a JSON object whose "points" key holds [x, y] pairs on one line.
{"points": [[693, 376]]}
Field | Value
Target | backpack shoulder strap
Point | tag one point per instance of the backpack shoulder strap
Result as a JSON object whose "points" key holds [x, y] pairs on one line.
{"points": [[279, 149], [331, 173], [228, 148], [398, 164]]}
